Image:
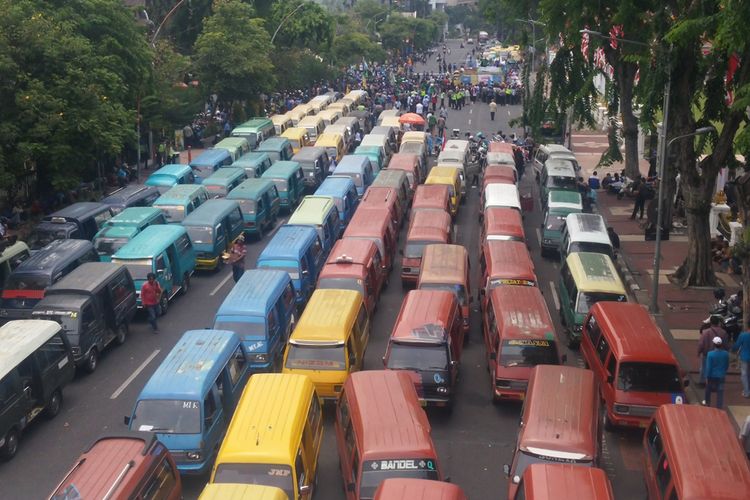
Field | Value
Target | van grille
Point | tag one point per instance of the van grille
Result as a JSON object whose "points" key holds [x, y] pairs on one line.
{"points": [[635, 411]]}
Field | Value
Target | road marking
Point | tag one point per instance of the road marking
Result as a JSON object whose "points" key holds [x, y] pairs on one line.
{"points": [[554, 295], [508, 112], [470, 111], [469, 121], [134, 374], [218, 287], [539, 235]]}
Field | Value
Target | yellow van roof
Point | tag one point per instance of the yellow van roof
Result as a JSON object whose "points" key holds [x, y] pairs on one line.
{"points": [[229, 491], [267, 424], [328, 316], [329, 139], [594, 272], [294, 132], [442, 173]]}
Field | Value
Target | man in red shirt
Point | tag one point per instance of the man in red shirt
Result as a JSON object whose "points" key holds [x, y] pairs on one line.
{"points": [[150, 296]]}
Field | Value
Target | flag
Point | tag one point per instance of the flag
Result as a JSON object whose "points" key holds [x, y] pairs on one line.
{"points": [[615, 33], [732, 65], [585, 45]]}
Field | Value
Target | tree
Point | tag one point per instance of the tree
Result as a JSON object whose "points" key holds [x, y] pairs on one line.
{"points": [[310, 26], [351, 48], [232, 54], [502, 14]]}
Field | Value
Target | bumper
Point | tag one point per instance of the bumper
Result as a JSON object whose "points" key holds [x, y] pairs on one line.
{"points": [[508, 394], [207, 264], [409, 278], [436, 401], [193, 468]]}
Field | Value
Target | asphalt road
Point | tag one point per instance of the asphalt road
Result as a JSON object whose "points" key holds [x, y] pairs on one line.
{"points": [[473, 442]]}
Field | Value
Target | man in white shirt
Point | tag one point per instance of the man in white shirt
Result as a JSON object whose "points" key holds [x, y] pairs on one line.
{"points": [[420, 108]]}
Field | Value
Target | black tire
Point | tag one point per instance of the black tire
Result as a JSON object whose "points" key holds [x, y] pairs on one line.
{"points": [[185, 284], [54, 405], [92, 361], [10, 447], [573, 343], [121, 334], [164, 303]]}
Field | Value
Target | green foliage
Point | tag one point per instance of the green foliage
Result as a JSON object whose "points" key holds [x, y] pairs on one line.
{"points": [[310, 26], [232, 53], [350, 48], [185, 24], [502, 14], [300, 68], [399, 31]]}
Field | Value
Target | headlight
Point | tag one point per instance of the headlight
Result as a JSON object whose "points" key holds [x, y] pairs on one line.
{"points": [[442, 390], [622, 409], [260, 358], [193, 455], [466, 321]]}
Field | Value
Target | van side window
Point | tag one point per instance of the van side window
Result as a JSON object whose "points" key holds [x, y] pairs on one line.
{"points": [[274, 192], [299, 469], [183, 244], [362, 319], [351, 352], [344, 411], [303, 266], [272, 323], [310, 435], [612, 366], [161, 484], [335, 219], [209, 410], [237, 366], [261, 204], [602, 348], [316, 250], [288, 298], [663, 474], [653, 440], [592, 327], [235, 218], [87, 316], [377, 261], [160, 265], [121, 288]]}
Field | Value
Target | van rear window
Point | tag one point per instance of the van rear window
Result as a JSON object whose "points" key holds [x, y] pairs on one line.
{"points": [[583, 246], [375, 472], [168, 416], [517, 353], [588, 299], [305, 357], [649, 377], [279, 476]]}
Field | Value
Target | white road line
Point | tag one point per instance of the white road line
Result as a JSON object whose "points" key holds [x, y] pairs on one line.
{"points": [[470, 111], [554, 295], [508, 112], [538, 235], [469, 121], [218, 287], [134, 374]]}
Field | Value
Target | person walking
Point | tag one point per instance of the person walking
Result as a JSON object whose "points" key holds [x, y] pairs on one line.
{"points": [[493, 110], [237, 258], [717, 364], [705, 343], [641, 195], [150, 297], [742, 346]]}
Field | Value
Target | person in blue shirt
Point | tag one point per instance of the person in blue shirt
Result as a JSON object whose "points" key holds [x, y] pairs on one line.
{"points": [[717, 364], [743, 347]]}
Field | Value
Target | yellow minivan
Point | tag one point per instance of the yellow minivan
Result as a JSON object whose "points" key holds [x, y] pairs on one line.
{"points": [[281, 123], [448, 176], [329, 340], [242, 491], [334, 144], [313, 124], [298, 112], [298, 136], [329, 116], [274, 436]]}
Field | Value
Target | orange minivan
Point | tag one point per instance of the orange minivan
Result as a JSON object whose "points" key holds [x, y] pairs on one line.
{"points": [[498, 174], [415, 489], [376, 225], [131, 465], [505, 263], [692, 452], [431, 196], [382, 432], [427, 340], [427, 227], [355, 265], [502, 224], [559, 422], [379, 197], [446, 267], [409, 163], [636, 368], [545, 481], [518, 335]]}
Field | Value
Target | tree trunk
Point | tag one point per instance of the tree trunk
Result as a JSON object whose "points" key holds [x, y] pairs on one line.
{"points": [[697, 269], [626, 81]]}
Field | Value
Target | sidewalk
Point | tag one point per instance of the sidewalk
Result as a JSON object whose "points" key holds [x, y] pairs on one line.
{"points": [[681, 310]]}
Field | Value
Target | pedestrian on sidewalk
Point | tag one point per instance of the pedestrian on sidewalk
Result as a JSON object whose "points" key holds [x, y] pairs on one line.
{"points": [[742, 346], [493, 110], [705, 343], [237, 258], [642, 194], [150, 298], [594, 181], [717, 365]]}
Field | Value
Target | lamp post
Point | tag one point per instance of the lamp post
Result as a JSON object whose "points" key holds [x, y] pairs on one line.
{"points": [[533, 23], [285, 20]]}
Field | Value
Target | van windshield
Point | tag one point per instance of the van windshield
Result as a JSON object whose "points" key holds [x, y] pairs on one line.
{"points": [[415, 249], [26, 282], [242, 328], [292, 268], [109, 246], [588, 299], [68, 320], [168, 416], [306, 357], [332, 152], [343, 284], [201, 234], [418, 357], [279, 476], [376, 471], [516, 353], [586, 246], [139, 268], [41, 237], [649, 377], [458, 290], [247, 206], [525, 459], [173, 213]]}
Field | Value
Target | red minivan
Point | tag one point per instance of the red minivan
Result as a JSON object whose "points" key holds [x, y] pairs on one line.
{"points": [[379, 197], [427, 227], [376, 225], [355, 265], [409, 163], [546, 481], [498, 174], [432, 196], [446, 267], [505, 263], [502, 224], [427, 340], [416, 489]]}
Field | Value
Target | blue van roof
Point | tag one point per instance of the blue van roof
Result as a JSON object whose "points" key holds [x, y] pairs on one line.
{"points": [[210, 157], [49, 260], [288, 243], [335, 186], [210, 212], [132, 216], [191, 366], [352, 164], [79, 210], [150, 241], [255, 293], [174, 169]]}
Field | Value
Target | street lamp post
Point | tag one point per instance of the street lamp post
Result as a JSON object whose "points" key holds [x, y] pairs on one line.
{"points": [[285, 20], [533, 23]]}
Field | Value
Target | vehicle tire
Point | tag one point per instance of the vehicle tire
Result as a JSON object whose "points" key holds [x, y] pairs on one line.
{"points": [[54, 405], [185, 284], [572, 343], [92, 361], [164, 304], [10, 447], [121, 334]]}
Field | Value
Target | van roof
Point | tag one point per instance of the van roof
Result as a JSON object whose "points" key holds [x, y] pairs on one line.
{"points": [[173, 169], [383, 129], [255, 293], [117, 231], [588, 227], [429, 225], [502, 172], [79, 210], [368, 222], [594, 272], [414, 136], [352, 164], [403, 161], [210, 212], [544, 480], [444, 263], [223, 174], [456, 144], [233, 491], [560, 167], [508, 260], [252, 159], [329, 139], [308, 153], [121, 196], [390, 422], [289, 242], [500, 147], [19, 338], [294, 132], [179, 192], [563, 199], [281, 170], [425, 316], [249, 188], [256, 122], [379, 196], [273, 144], [280, 119], [556, 148], [705, 456], [560, 413], [431, 196], [49, 260], [635, 335], [390, 178], [335, 186], [192, 366], [132, 216], [210, 157], [312, 210], [442, 173], [310, 121], [86, 278], [150, 242], [522, 313], [374, 139], [232, 142], [451, 156], [349, 251], [505, 195], [402, 488], [328, 316]]}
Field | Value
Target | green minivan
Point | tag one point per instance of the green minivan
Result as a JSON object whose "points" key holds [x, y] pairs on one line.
{"points": [[259, 202], [289, 179], [255, 130], [123, 227], [254, 163], [178, 202], [236, 146], [221, 182], [559, 205], [212, 228]]}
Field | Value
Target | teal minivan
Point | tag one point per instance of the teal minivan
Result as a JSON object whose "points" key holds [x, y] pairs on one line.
{"points": [[278, 148], [212, 228], [123, 227], [254, 164], [259, 202], [375, 155], [180, 201], [164, 250], [289, 179], [224, 180], [255, 130], [169, 176], [235, 146]]}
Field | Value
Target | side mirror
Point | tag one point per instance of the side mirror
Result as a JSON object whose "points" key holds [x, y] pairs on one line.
{"points": [[305, 272], [454, 363], [506, 469], [126, 420], [305, 489], [351, 487], [564, 358], [493, 356]]}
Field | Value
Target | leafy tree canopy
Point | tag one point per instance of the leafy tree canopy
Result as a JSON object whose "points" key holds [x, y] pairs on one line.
{"points": [[305, 24]]}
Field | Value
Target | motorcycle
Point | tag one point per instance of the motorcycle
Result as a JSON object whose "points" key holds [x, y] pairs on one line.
{"points": [[729, 311]]}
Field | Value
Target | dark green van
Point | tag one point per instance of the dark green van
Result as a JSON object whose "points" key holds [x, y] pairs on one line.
{"points": [[212, 228], [254, 163], [289, 180], [259, 202]]}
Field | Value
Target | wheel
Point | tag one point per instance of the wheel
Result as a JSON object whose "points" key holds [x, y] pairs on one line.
{"points": [[164, 304], [573, 343], [185, 284], [54, 405], [10, 447], [92, 361], [122, 333]]}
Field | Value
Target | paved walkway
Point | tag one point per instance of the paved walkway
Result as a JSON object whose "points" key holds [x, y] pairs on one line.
{"points": [[681, 310]]}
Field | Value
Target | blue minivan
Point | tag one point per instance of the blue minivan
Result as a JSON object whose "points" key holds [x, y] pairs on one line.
{"points": [[209, 162], [298, 251], [344, 194], [261, 310], [189, 400], [357, 167]]}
